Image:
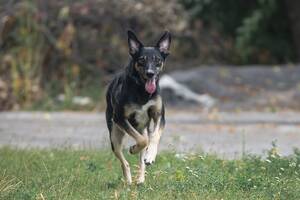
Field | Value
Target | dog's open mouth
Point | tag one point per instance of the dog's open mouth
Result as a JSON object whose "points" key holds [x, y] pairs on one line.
{"points": [[150, 85]]}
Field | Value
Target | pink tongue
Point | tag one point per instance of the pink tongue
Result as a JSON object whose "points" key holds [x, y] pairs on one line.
{"points": [[150, 86]]}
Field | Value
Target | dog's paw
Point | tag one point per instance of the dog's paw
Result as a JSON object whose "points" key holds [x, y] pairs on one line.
{"points": [[140, 181], [150, 155]]}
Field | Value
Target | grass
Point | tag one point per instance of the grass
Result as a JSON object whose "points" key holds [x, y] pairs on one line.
{"points": [[92, 174]]}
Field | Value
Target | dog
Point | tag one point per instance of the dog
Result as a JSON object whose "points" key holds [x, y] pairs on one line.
{"points": [[134, 101]]}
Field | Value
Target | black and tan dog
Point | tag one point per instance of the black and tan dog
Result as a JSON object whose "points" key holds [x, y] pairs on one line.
{"points": [[133, 100]]}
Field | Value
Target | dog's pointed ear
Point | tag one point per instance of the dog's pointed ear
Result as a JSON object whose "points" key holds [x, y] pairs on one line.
{"points": [[164, 43], [133, 43]]}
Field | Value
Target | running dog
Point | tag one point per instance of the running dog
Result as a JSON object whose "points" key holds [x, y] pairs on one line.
{"points": [[133, 101]]}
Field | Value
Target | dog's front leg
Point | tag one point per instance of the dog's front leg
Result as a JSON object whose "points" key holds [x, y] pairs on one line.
{"points": [[153, 142], [142, 166], [141, 140]]}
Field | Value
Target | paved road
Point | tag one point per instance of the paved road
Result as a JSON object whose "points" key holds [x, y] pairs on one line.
{"points": [[226, 134]]}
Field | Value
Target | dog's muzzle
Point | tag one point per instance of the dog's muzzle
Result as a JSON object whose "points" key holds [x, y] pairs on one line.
{"points": [[150, 74]]}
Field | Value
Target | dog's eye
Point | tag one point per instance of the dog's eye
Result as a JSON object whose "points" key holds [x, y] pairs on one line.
{"points": [[141, 60], [158, 63]]}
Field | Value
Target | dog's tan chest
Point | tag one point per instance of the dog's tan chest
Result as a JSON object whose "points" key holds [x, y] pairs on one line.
{"points": [[141, 112]]}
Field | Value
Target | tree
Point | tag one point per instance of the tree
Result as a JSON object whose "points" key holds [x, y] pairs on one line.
{"points": [[292, 9]]}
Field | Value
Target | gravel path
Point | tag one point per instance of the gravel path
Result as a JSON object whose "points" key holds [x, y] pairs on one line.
{"points": [[228, 135]]}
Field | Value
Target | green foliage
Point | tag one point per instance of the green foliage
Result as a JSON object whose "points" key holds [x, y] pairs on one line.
{"points": [[82, 174], [72, 44], [259, 29], [23, 62], [224, 15], [265, 34]]}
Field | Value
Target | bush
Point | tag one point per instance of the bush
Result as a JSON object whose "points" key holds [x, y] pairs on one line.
{"points": [[54, 47], [251, 26]]}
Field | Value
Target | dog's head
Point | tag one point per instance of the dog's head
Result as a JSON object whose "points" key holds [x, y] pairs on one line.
{"points": [[149, 61]]}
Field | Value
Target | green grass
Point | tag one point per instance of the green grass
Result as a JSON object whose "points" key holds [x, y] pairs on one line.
{"points": [[91, 174]]}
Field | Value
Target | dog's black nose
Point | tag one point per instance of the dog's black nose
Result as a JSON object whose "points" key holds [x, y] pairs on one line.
{"points": [[150, 74]]}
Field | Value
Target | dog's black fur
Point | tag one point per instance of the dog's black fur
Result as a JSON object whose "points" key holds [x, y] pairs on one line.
{"points": [[128, 87], [133, 100], [135, 92]]}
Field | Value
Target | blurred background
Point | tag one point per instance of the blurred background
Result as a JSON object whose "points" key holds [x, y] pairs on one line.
{"points": [[60, 54], [231, 86]]}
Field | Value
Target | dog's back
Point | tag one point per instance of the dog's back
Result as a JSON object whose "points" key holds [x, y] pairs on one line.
{"points": [[111, 94]]}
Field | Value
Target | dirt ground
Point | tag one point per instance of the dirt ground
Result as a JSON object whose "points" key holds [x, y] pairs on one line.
{"points": [[227, 134]]}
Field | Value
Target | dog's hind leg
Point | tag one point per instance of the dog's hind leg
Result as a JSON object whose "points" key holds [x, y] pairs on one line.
{"points": [[141, 140], [117, 137], [142, 166]]}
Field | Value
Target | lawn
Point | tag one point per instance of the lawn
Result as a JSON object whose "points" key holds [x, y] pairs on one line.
{"points": [[95, 174]]}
